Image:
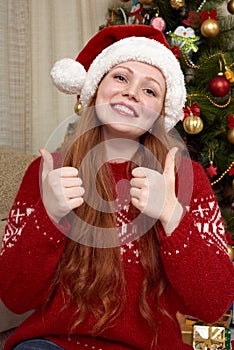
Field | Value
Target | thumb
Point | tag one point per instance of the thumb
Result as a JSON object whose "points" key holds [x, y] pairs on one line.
{"points": [[48, 162], [170, 162]]}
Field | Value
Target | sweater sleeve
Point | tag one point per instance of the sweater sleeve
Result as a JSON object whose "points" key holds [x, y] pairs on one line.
{"points": [[195, 256], [31, 249]]}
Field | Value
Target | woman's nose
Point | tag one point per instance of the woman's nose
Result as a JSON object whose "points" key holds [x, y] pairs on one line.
{"points": [[131, 91]]}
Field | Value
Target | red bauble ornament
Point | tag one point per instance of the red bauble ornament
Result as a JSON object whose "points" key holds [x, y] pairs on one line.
{"points": [[230, 119], [219, 86], [231, 171]]}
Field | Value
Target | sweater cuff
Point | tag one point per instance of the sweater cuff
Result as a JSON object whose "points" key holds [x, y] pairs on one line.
{"points": [[179, 238]]}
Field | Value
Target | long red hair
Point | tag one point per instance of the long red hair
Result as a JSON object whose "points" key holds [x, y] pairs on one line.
{"points": [[93, 277]]}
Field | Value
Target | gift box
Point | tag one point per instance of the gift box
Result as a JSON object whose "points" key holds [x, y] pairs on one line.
{"points": [[211, 337], [186, 331], [232, 310]]}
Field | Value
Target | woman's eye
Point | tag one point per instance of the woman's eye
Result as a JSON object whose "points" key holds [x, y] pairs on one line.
{"points": [[120, 77], [150, 92]]}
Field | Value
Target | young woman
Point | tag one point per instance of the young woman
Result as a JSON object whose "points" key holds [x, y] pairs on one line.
{"points": [[109, 239]]}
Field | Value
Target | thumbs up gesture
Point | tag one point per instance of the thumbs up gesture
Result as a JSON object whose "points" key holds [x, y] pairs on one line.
{"points": [[153, 193], [62, 189]]}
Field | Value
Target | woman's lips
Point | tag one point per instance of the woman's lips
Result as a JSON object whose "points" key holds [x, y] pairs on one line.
{"points": [[125, 110]]}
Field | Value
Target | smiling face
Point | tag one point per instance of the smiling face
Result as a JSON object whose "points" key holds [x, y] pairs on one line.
{"points": [[129, 99]]}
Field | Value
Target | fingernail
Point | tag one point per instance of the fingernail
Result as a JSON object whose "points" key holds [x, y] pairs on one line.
{"points": [[173, 151], [82, 191]]}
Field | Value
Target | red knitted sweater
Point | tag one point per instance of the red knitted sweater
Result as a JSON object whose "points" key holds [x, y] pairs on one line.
{"points": [[195, 258]]}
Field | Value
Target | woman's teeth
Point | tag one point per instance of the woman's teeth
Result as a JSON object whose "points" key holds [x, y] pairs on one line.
{"points": [[125, 110]]}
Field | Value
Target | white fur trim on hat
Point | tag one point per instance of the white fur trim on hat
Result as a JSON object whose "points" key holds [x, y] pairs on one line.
{"points": [[68, 76], [148, 51]]}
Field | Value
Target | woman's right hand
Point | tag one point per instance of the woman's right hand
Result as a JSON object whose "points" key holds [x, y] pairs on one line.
{"points": [[62, 189]]}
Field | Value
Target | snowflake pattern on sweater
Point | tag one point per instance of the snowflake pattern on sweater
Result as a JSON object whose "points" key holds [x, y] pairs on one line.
{"points": [[16, 221], [209, 223], [197, 245]]}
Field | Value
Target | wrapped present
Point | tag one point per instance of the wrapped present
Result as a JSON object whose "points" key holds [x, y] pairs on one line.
{"points": [[225, 320], [232, 310], [186, 331], [211, 337]]}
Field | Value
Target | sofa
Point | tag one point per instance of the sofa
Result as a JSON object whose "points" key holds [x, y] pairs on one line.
{"points": [[13, 164]]}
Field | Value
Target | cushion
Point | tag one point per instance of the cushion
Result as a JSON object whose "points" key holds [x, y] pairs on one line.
{"points": [[13, 164]]}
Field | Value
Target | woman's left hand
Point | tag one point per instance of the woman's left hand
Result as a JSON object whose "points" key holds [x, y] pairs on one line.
{"points": [[153, 193]]}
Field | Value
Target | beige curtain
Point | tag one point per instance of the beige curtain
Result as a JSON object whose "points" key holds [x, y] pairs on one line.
{"points": [[35, 35], [15, 82]]}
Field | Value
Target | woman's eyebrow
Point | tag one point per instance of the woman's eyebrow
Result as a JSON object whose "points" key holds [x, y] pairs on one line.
{"points": [[127, 68], [154, 81]]}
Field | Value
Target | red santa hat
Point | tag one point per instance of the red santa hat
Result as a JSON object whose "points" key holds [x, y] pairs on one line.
{"points": [[116, 44]]}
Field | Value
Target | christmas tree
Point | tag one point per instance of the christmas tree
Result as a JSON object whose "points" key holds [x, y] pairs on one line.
{"points": [[201, 36]]}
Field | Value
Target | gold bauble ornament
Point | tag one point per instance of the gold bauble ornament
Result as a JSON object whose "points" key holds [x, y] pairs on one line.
{"points": [[230, 7], [230, 135], [210, 28], [78, 108], [231, 252], [177, 4], [146, 2], [193, 124]]}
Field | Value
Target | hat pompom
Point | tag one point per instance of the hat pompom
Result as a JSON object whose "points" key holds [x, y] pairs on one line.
{"points": [[68, 76]]}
